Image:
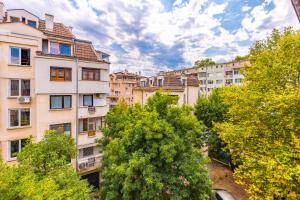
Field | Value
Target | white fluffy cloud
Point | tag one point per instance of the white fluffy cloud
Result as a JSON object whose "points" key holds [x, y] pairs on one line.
{"points": [[142, 35]]}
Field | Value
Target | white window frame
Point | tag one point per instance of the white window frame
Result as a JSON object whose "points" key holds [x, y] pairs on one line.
{"points": [[19, 117], [10, 61], [9, 149], [20, 87]]}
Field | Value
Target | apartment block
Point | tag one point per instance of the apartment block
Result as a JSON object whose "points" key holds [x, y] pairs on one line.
{"points": [[50, 80], [121, 86], [185, 87]]}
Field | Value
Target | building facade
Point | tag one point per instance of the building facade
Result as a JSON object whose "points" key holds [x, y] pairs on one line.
{"points": [[185, 87], [50, 80], [121, 86]]}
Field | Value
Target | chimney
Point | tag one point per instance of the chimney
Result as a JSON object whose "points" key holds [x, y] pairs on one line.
{"points": [[2, 13], [49, 22], [140, 73]]}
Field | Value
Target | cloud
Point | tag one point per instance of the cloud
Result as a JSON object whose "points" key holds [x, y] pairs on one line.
{"points": [[154, 35]]}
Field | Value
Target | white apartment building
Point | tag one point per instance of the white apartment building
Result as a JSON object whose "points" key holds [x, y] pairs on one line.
{"points": [[50, 80]]}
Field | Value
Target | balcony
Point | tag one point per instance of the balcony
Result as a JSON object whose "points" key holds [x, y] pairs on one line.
{"points": [[88, 137], [94, 111], [90, 163]]}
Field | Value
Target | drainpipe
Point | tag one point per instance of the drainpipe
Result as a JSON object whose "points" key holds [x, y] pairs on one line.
{"points": [[77, 101], [206, 81]]}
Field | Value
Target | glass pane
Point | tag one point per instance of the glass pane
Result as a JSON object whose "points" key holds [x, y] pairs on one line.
{"points": [[84, 74], [14, 118], [67, 128], [14, 148], [97, 75], [90, 75], [14, 88], [88, 151], [56, 102], [88, 100], [25, 117], [65, 49], [61, 73], [84, 124], [67, 101], [14, 55], [68, 75], [32, 23], [23, 143], [54, 48], [25, 87], [25, 56], [53, 72]]}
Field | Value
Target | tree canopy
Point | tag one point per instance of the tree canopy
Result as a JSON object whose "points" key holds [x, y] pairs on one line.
{"points": [[153, 152], [262, 129], [43, 172], [203, 62]]}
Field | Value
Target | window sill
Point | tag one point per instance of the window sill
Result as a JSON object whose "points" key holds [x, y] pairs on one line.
{"points": [[60, 109], [13, 97], [19, 127], [17, 65], [12, 159], [61, 80]]}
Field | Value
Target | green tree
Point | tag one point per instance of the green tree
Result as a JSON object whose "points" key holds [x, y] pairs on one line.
{"points": [[43, 172], [262, 129], [210, 110], [241, 58], [203, 62], [153, 152]]}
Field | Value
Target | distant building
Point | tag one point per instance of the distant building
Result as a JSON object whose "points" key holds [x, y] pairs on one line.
{"points": [[50, 80], [121, 86], [296, 4], [185, 87]]}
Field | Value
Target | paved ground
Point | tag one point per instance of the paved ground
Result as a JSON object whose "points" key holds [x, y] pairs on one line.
{"points": [[223, 179]]}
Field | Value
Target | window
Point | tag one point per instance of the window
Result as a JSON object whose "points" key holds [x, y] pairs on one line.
{"points": [[219, 81], [87, 100], [14, 19], [228, 73], [202, 74], [228, 81], [210, 82], [238, 80], [60, 101], [19, 117], [90, 74], [60, 74], [236, 71], [202, 82], [89, 151], [160, 82], [64, 128], [60, 49], [23, 19], [45, 46], [31, 23], [19, 56], [15, 146], [92, 124], [19, 88]]}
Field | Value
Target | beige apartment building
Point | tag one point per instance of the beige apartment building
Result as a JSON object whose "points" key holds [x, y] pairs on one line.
{"points": [[121, 86], [50, 80], [185, 87]]}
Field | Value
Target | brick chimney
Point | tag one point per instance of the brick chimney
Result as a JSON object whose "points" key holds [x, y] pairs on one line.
{"points": [[49, 22], [2, 12]]}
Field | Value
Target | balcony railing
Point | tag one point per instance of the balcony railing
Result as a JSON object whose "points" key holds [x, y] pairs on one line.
{"points": [[89, 163], [91, 109], [91, 133]]}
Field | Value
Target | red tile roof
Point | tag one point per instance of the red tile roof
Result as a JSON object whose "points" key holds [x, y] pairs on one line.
{"points": [[85, 50], [59, 30]]}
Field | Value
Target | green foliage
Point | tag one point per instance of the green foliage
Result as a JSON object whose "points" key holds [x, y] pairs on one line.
{"points": [[263, 126], [152, 152], [203, 62], [241, 58], [212, 109], [43, 172]]}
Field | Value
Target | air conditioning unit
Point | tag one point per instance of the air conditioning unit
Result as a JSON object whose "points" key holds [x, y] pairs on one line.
{"points": [[91, 109], [24, 99], [82, 165]]}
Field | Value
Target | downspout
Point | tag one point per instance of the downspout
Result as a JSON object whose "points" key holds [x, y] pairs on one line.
{"points": [[77, 101], [206, 81]]}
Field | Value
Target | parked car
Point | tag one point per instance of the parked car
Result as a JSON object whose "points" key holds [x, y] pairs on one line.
{"points": [[223, 195]]}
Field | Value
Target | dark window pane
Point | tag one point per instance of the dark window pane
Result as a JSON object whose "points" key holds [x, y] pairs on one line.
{"points": [[25, 56], [85, 124], [25, 87], [87, 100], [55, 102], [14, 55], [53, 72], [67, 128], [67, 101], [25, 117], [97, 75], [23, 143], [14, 88], [65, 49], [14, 148], [32, 23], [45, 46], [87, 151], [61, 73], [68, 74], [14, 19], [14, 118]]}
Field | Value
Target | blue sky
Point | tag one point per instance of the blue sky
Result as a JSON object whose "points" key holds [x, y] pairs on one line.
{"points": [[154, 35]]}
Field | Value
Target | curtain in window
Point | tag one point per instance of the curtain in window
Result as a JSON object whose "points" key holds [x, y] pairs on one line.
{"points": [[25, 87], [14, 88], [54, 48], [56, 102], [14, 118]]}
